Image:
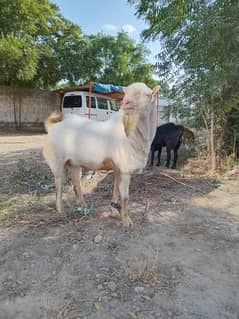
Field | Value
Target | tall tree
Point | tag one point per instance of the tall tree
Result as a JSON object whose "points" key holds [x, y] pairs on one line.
{"points": [[118, 60], [38, 46], [199, 42]]}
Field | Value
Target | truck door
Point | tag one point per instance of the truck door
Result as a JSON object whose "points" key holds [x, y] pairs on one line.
{"points": [[114, 107], [103, 111]]}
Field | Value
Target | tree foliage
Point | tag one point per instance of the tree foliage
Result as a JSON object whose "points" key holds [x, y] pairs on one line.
{"points": [[118, 60], [37, 44], [39, 48]]}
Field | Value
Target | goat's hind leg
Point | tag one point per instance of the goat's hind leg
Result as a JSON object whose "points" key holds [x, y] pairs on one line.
{"points": [[76, 181], [159, 155], [59, 186], [57, 168]]}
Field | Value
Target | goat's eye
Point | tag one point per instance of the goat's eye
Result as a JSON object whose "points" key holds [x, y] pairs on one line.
{"points": [[147, 95]]}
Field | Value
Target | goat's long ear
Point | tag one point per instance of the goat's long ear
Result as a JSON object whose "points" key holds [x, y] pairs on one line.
{"points": [[155, 91]]}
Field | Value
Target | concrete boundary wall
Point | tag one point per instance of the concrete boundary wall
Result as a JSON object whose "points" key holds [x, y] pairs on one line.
{"points": [[26, 108]]}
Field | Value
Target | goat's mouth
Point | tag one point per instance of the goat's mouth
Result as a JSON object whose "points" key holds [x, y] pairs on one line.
{"points": [[128, 109], [127, 105]]}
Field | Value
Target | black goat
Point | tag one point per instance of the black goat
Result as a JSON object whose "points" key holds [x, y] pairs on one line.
{"points": [[169, 135]]}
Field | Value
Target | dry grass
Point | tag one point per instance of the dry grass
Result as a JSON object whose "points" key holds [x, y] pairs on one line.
{"points": [[27, 195], [28, 210], [76, 308], [144, 273], [68, 311]]}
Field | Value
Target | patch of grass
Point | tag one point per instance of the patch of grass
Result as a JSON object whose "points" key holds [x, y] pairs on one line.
{"points": [[75, 309], [144, 273], [70, 310], [227, 163], [28, 210]]}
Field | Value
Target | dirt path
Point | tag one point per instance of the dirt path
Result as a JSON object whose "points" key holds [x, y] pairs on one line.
{"points": [[13, 143], [180, 260]]}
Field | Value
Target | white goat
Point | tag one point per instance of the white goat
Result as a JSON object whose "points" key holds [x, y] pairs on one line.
{"points": [[121, 144]]}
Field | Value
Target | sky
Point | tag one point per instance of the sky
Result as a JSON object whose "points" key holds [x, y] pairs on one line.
{"points": [[107, 16]]}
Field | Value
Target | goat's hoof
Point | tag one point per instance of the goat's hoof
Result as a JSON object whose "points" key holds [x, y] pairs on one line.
{"points": [[158, 164], [60, 210], [115, 210], [173, 167], [116, 206], [83, 211], [127, 222]]}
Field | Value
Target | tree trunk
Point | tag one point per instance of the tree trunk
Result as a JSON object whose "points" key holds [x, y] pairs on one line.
{"points": [[203, 113], [20, 114], [212, 138], [14, 106]]}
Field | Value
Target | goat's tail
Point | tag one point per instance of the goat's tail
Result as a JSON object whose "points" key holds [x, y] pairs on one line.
{"points": [[54, 118]]}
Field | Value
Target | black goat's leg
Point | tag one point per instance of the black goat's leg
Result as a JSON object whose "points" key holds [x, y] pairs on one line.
{"points": [[168, 157], [152, 157], [159, 155], [175, 158]]}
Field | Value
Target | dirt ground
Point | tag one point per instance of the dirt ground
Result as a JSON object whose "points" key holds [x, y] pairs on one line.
{"points": [[180, 260]]}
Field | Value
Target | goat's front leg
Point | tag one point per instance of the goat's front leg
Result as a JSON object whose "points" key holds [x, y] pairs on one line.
{"points": [[152, 157], [115, 206], [115, 196], [76, 180], [159, 155], [124, 194]]}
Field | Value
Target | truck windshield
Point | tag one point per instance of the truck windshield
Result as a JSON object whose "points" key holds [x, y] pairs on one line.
{"points": [[72, 101]]}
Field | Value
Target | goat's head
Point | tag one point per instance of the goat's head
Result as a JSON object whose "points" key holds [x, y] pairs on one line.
{"points": [[188, 134], [139, 98]]}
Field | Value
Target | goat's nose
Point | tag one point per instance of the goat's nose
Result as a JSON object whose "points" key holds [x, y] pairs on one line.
{"points": [[124, 104]]}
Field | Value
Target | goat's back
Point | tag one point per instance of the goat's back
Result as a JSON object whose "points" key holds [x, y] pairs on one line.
{"points": [[169, 129], [167, 133]]}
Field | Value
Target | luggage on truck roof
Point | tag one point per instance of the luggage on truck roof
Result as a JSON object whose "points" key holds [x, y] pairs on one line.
{"points": [[113, 91]]}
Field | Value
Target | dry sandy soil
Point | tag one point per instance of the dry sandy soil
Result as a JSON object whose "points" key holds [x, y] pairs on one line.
{"points": [[180, 260]]}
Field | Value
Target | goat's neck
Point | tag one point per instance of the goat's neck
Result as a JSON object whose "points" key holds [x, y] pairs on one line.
{"points": [[140, 130]]}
